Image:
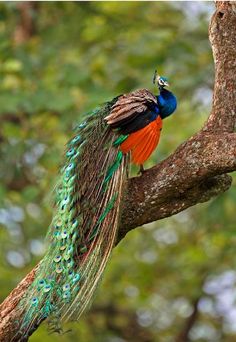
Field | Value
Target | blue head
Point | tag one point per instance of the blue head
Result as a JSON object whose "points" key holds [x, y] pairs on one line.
{"points": [[160, 81], [167, 102]]}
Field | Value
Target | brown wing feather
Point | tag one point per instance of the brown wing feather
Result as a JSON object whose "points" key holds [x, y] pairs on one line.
{"points": [[129, 105]]}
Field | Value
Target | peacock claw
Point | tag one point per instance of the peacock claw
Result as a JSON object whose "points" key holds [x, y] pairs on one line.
{"points": [[141, 170]]}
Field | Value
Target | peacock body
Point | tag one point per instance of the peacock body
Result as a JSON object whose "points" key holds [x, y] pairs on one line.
{"points": [[87, 202]]}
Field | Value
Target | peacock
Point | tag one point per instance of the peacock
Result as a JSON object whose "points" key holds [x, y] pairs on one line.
{"points": [[88, 198]]}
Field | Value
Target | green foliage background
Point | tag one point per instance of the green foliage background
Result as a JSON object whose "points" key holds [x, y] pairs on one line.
{"points": [[79, 55]]}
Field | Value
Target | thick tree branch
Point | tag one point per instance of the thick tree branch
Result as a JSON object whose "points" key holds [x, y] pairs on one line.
{"points": [[185, 178], [223, 40], [194, 173]]}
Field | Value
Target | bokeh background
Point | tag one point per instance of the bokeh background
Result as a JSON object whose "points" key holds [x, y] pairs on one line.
{"points": [[172, 280]]}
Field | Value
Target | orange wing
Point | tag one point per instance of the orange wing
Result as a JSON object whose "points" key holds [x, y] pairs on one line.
{"points": [[142, 143]]}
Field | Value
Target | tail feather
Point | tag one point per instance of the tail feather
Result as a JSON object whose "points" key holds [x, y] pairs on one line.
{"points": [[84, 227]]}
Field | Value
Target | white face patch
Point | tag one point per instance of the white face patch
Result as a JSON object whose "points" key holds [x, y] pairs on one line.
{"points": [[161, 82]]}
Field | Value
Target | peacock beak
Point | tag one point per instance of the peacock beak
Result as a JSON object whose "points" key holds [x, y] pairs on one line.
{"points": [[166, 84]]}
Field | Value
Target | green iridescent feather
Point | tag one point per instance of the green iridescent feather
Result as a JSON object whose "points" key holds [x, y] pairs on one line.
{"points": [[84, 225]]}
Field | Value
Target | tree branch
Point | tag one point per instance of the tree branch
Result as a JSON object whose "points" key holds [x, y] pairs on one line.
{"points": [[184, 334], [192, 174], [185, 178], [26, 27], [223, 40]]}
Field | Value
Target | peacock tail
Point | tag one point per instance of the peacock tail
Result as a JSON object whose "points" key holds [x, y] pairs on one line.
{"points": [[84, 227], [87, 204]]}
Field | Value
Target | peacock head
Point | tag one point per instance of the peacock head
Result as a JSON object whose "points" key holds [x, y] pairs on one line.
{"points": [[160, 81]]}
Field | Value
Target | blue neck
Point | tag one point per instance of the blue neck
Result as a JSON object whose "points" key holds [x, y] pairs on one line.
{"points": [[166, 94], [167, 103]]}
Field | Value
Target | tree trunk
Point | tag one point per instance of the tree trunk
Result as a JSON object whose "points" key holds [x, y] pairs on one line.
{"points": [[26, 26]]}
